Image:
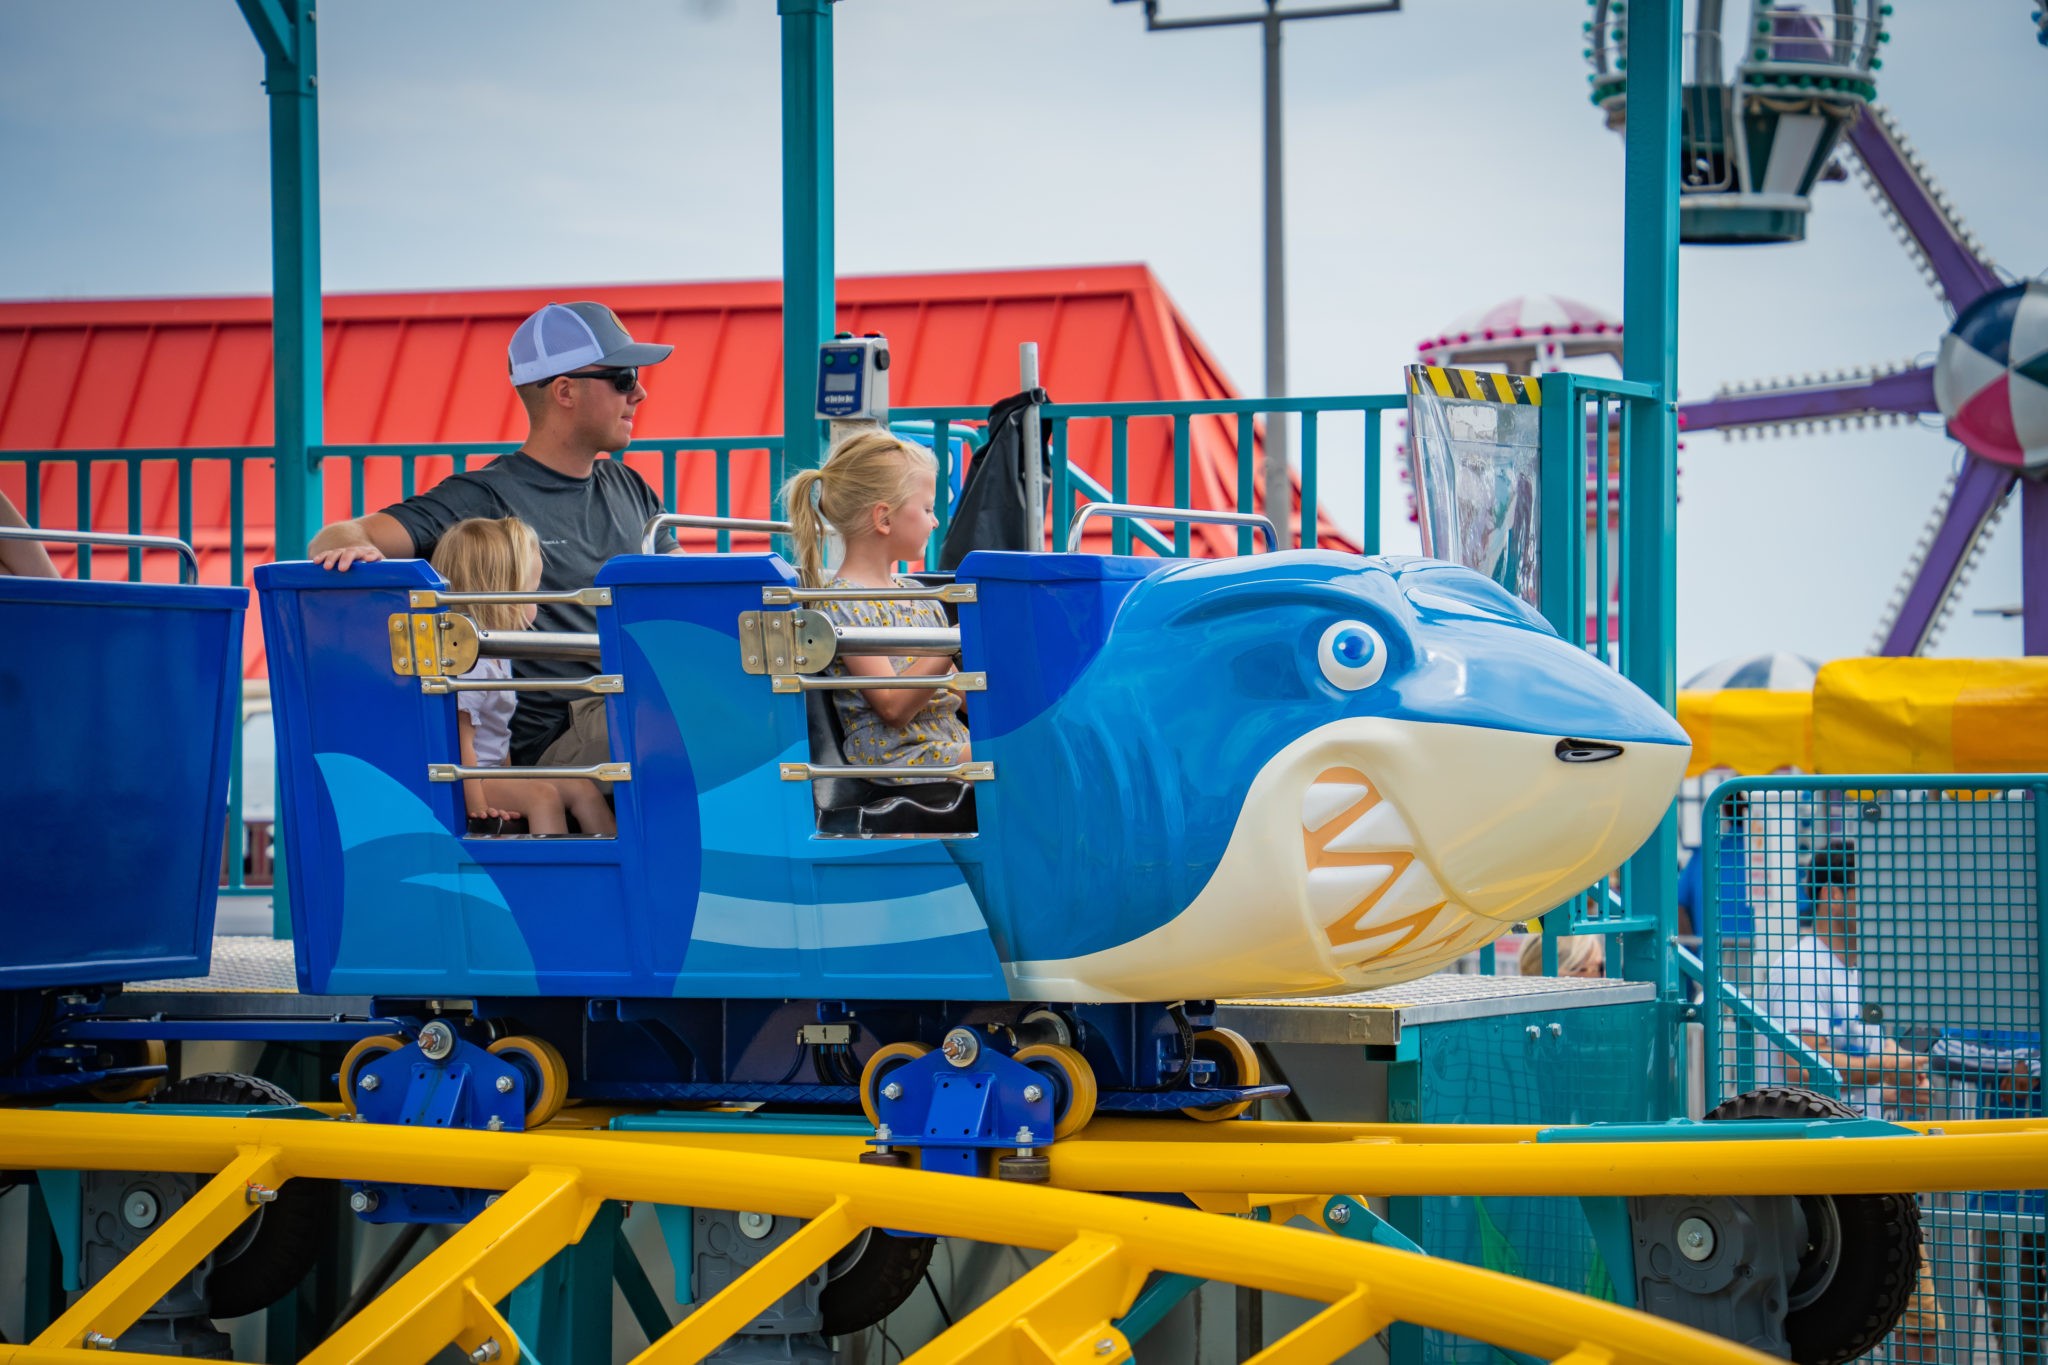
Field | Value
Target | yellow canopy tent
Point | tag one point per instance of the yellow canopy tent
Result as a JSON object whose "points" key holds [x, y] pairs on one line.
{"points": [[1880, 716]]}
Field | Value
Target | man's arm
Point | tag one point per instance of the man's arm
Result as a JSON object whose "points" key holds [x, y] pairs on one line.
{"points": [[1900, 1070], [365, 540], [22, 558]]}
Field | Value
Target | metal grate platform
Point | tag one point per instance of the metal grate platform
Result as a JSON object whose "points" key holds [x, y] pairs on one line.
{"points": [[242, 965], [1378, 1016]]}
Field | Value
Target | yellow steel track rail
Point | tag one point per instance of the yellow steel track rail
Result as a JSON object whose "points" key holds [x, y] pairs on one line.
{"points": [[1989, 1156], [1167, 1155], [1058, 1314]]}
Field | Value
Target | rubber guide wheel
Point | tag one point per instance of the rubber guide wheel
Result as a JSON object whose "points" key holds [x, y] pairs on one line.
{"points": [[292, 1231], [1878, 1259], [881, 1277]]}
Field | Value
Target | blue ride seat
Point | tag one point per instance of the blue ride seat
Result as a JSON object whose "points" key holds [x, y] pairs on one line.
{"points": [[120, 703]]}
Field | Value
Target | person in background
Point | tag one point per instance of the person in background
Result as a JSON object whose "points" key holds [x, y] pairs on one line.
{"points": [[1814, 992], [1735, 914], [1580, 955]]}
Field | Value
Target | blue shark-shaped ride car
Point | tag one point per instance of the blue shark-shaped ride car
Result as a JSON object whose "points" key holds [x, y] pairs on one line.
{"points": [[1304, 772]]}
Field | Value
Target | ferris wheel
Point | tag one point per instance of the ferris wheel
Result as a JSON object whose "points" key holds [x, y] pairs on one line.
{"points": [[1769, 107]]}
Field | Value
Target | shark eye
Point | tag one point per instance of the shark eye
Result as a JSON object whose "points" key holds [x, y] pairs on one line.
{"points": [[1352, 654]]}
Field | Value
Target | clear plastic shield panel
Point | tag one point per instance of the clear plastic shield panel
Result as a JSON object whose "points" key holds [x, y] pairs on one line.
{"points": [[1475, 469]]}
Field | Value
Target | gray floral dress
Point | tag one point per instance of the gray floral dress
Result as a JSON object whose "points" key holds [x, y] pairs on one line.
{"points": [[935, 736]]}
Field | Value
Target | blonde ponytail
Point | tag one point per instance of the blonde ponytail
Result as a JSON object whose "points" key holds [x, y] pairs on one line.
{"points": [[866, 468], [808, 526]]}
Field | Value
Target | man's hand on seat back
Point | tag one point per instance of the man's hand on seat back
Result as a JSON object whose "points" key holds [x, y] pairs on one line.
{"points": [[341, 557], [364, 540]]}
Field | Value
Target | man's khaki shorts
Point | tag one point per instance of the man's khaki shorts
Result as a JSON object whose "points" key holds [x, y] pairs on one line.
{"points": [[586, 741]]}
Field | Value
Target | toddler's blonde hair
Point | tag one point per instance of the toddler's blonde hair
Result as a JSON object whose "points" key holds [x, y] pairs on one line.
{"points": [[484, 554]]}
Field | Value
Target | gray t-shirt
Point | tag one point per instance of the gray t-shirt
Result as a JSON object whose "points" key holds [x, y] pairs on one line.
{"points": [[581, 523]]}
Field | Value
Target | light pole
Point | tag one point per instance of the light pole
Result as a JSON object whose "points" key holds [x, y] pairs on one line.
{"points": [[1279, 485]]}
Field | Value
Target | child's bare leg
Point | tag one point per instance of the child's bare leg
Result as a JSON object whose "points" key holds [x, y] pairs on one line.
{"points": [[539, 802], [587, 804]]}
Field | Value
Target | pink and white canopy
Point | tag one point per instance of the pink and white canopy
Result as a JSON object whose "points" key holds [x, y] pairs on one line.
{"points": [[1524, 329]]}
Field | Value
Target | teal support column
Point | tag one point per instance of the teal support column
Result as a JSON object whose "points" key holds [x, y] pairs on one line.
{"points": [[807, 231], [563, 1313], [285, 31], [1649, 644], [1561, 507]]}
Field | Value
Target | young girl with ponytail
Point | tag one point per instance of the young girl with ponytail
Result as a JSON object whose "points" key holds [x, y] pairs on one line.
{"points": [[877, 493]]}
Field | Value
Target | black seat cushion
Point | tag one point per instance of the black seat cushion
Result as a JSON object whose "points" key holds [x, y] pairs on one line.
{"points": [[854, 805]]}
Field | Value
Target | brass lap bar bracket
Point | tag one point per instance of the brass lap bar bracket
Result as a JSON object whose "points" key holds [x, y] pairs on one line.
{"points": [[597, 682], [582, 597], [429, 644], [938, 592], [961, 772], [951, 682], [598, 772], [778, 642]]}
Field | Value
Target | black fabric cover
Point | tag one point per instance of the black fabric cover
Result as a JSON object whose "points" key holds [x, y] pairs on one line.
{"points": [[990, 513]]}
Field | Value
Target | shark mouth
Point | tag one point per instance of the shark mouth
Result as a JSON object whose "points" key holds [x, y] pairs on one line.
{"points": [[1377, 903]]}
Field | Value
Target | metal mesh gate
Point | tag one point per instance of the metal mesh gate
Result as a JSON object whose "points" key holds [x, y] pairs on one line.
{"points": [[1881, 940]]}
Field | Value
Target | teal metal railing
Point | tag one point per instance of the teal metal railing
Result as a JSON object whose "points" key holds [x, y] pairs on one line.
{"points": [[1239, 417], [1599, 565]]}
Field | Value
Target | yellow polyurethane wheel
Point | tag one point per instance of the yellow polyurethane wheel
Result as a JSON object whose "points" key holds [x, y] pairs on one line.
{"points": [[149, 1053], [1239, 1062], [546, 1063], [1080, 1082], [885, 1060], [365, 1050]]}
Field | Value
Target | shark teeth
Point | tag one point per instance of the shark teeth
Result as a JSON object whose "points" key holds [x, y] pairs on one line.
{"points": [[1380, 830], [1414, 891], [1332, 891], [1379, 905], [1325, 801]]}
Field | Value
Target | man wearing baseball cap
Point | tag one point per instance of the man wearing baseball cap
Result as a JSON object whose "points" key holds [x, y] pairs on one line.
{"points": [[576, 371]]}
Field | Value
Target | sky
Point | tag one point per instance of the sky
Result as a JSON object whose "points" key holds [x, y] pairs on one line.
{"points": [[1438, 160]]}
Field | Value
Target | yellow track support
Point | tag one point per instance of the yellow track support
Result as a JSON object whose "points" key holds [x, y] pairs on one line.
{"points": [[449, 1295], [1058, 1314]]}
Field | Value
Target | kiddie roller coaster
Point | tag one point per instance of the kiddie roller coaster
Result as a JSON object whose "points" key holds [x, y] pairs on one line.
{"points": [[821, 1022]]}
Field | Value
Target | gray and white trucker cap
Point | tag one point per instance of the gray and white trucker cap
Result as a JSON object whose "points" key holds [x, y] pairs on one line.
{"points": [[567, 336]]}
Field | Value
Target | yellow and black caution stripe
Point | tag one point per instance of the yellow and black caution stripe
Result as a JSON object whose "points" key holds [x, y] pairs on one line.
{"points": [[1480, 386]]}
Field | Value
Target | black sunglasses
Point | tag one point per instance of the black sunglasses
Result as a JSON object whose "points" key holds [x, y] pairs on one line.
{"points": [[624, 380]]}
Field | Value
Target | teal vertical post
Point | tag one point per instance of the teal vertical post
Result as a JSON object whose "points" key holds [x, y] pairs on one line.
{"points": [[1561, 507], [284, 29], [807, 230], [563, 1313], [1650, 474]]}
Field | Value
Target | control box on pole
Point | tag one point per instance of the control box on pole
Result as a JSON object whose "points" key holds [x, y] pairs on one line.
{"points": [[853, 379]]}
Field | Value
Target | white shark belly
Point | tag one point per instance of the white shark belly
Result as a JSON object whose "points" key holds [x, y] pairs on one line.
{"points": [[1372, 851]]}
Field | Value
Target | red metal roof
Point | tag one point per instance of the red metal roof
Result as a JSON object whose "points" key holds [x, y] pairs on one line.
{"points": [[430, 367]]}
